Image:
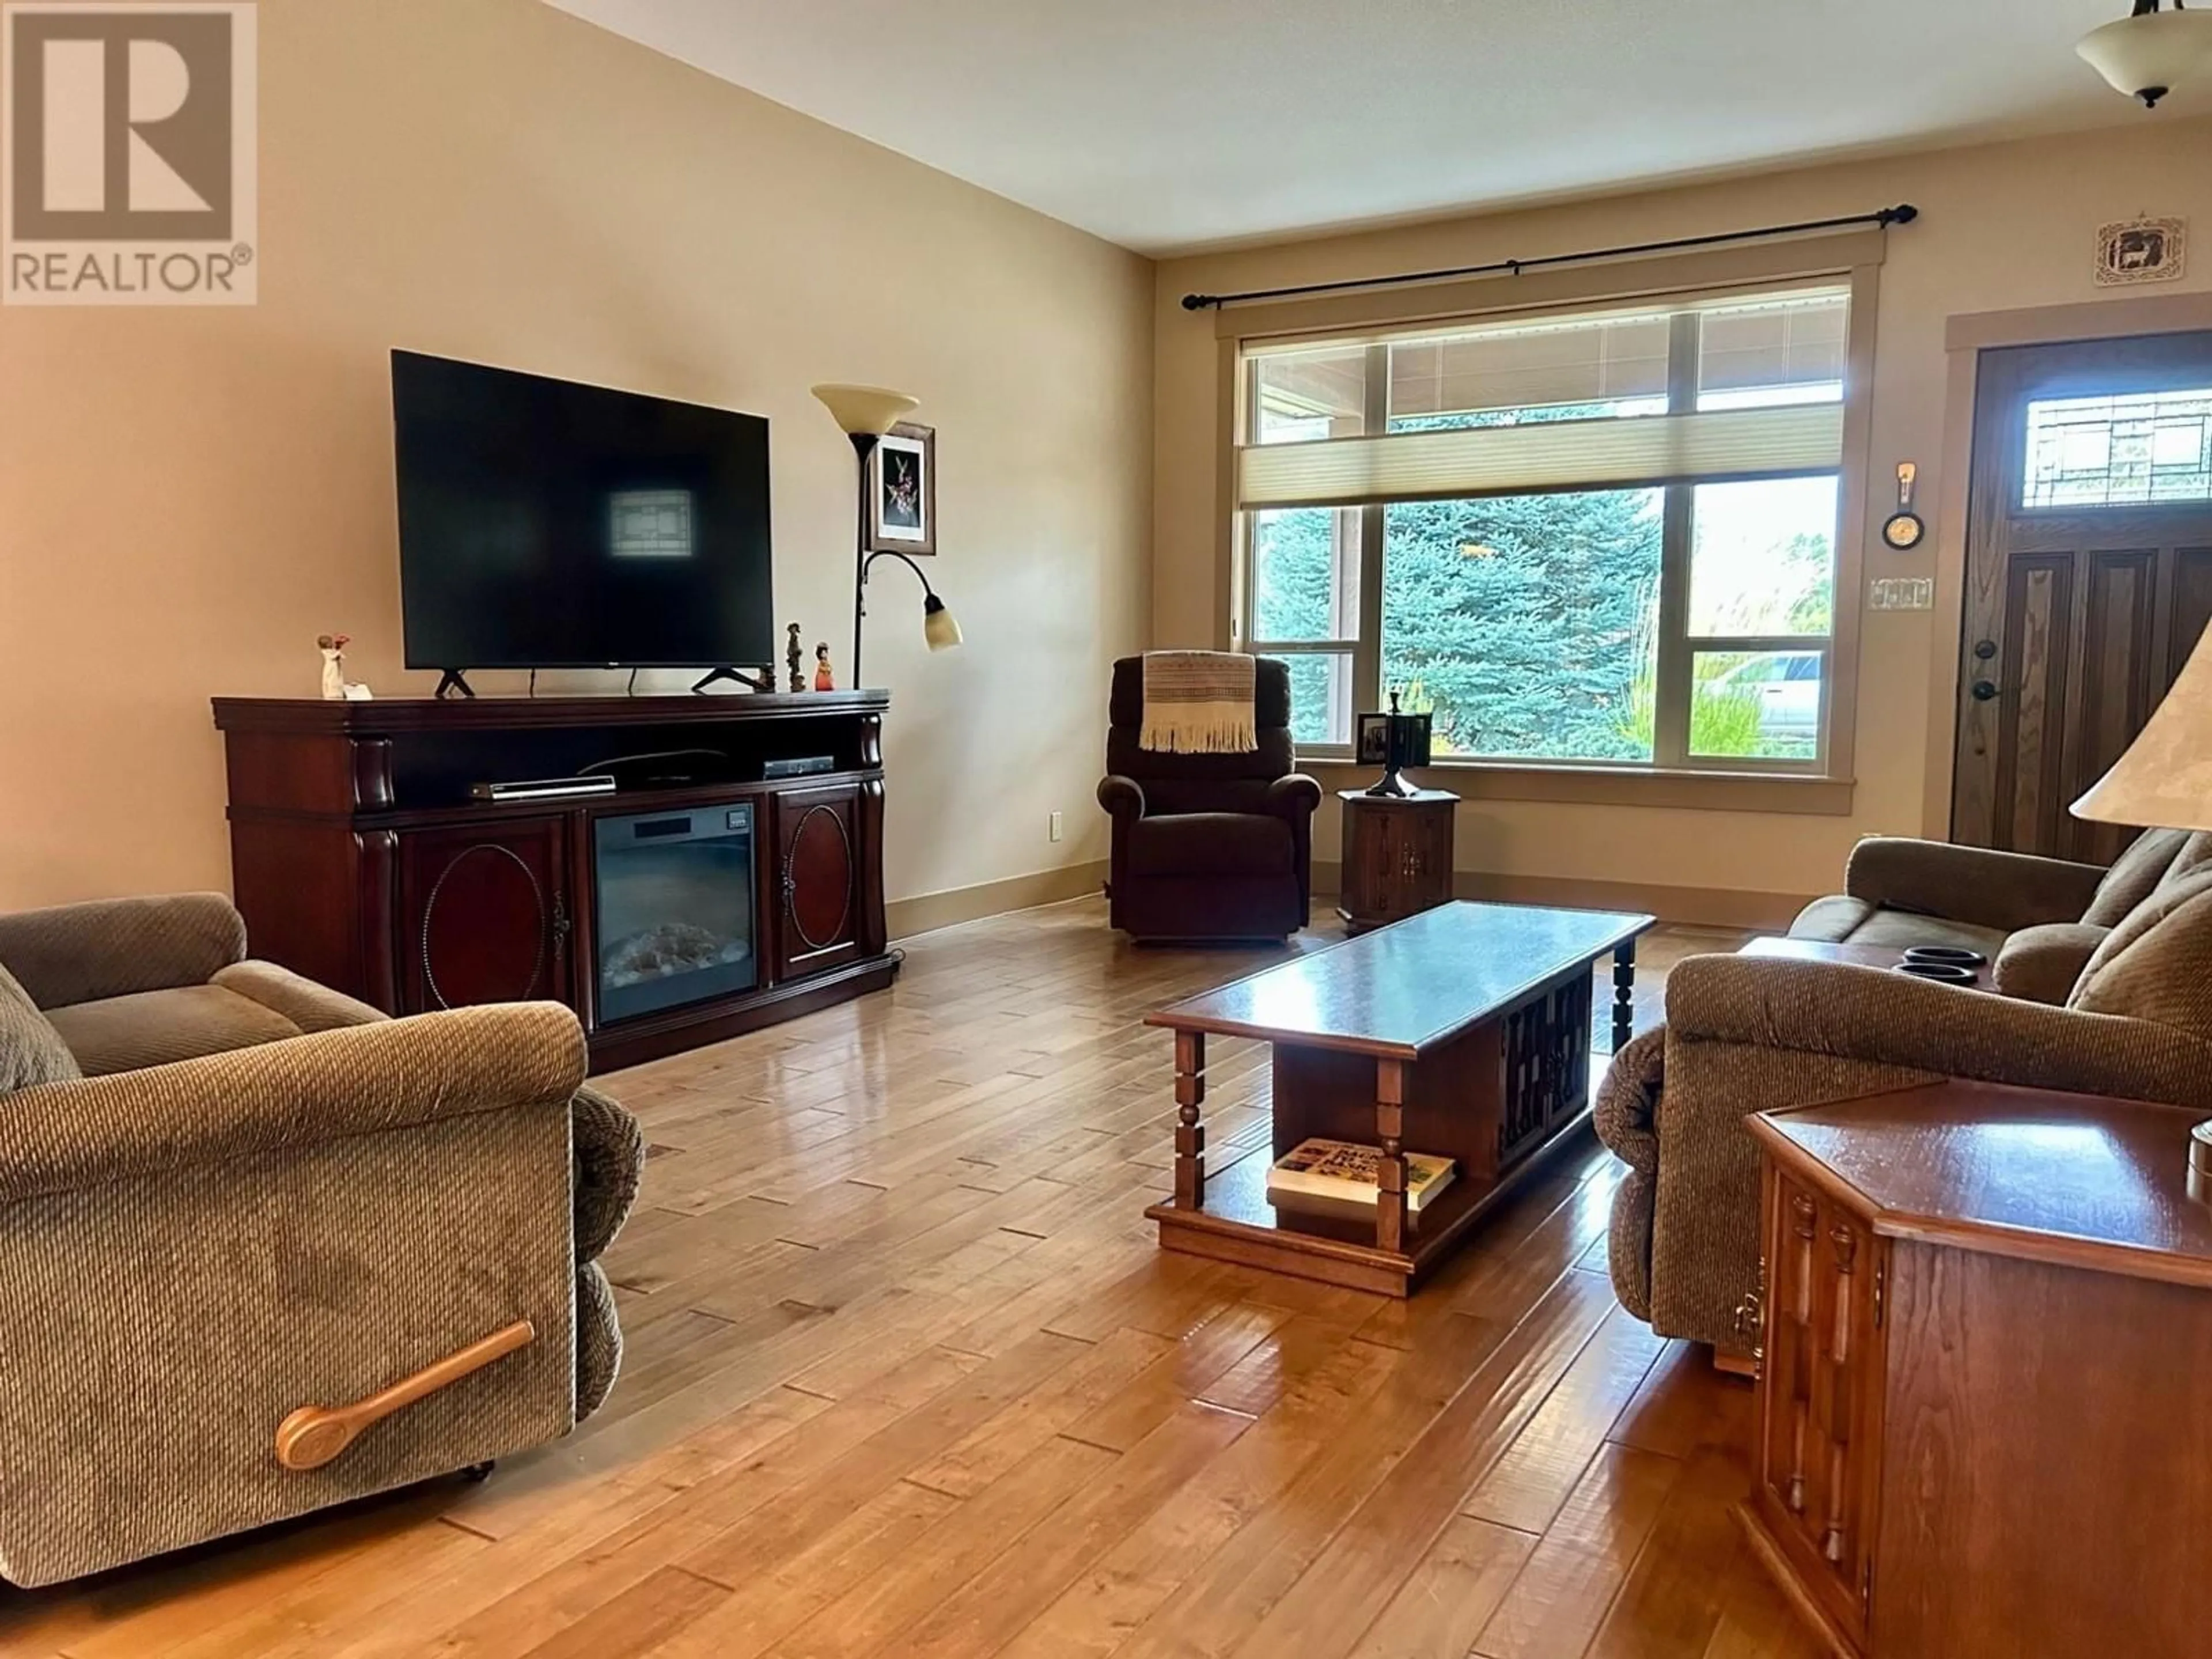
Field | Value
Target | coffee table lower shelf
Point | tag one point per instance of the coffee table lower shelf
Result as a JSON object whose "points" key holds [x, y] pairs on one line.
{"points": [[1236, 1223]]}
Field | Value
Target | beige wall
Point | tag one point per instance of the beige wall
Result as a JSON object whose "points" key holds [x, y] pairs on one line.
{"points": [[2004, 225], [187, 498]]}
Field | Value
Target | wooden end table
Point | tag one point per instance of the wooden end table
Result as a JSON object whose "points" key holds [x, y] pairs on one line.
{"points": [[1987, 1324], [1464, 1033], [1397, 855]]}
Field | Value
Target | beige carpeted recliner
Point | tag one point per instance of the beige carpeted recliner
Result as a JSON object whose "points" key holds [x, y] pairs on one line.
{"points": [[232, 1201], [1748, 1034]]}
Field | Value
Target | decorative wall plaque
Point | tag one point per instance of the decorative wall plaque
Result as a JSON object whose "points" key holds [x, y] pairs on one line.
{"points": [[2142, 251]]}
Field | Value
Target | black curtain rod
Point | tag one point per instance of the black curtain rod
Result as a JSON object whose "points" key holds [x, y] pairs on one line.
{"points": [[1903, 214]]}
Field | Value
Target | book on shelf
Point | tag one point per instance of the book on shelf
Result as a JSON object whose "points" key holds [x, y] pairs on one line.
{"points": [[1343, 1178]]}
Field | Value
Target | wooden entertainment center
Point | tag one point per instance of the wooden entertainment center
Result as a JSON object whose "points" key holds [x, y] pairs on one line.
{"points": [[361, 858]]}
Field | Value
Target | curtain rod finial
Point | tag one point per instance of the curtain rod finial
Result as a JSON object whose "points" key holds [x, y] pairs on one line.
{"points": [[1903, 214], [1199, 301]]}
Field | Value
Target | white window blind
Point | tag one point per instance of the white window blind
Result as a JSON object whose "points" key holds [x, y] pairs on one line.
{"points": [[1578, 404], [1507, 460]]}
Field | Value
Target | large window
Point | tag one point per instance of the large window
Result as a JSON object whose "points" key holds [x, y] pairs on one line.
{"points": [[1604, 539]]}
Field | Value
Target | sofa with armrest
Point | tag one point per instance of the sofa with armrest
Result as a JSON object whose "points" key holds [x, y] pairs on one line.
{"points": [[228, 1193], [2038, 920], [1208, 847], [1744, 1034]]}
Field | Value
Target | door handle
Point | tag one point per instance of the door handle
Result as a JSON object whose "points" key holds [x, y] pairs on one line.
{"points": [[1983, 690]]}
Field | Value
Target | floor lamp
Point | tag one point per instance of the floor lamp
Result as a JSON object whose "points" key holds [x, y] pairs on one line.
{"points": [[865, 413], [2165, 778]]}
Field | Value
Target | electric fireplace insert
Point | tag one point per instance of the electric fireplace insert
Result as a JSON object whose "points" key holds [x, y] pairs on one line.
{"points": [[675, 908]]}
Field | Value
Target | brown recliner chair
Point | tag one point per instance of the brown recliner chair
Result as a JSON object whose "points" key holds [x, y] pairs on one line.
{"points": [[1208, 847], [232, 1200], [1746, 1034]]}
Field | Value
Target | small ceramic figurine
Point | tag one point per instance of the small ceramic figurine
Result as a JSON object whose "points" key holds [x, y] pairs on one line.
{"points": [[792, 657], [332, 646], [337, 688], [825, 678]]}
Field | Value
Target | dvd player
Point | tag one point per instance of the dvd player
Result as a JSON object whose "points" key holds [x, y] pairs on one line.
{"points": [[804, 766], [545, 788]]}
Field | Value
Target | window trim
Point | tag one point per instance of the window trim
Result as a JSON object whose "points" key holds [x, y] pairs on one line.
{"points": [[1853, 259]]}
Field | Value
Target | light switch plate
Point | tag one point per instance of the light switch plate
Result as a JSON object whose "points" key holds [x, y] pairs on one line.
{"points": [[1902, 593]]}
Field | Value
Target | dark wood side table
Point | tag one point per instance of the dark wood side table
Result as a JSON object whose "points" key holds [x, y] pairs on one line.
{"points": [[1397, 855], [1987, 1325]]}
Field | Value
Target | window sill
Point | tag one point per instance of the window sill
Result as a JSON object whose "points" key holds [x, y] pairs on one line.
{"points": [[1694, 790]]}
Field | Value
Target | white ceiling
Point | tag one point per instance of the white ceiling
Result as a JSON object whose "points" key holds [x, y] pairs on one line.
{"points": [[1167, 124]]}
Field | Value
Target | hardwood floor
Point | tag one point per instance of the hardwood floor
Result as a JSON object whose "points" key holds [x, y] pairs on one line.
{"points": [[907, 1374]]}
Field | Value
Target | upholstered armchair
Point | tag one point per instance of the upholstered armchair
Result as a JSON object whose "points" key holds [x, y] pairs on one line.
{"points": [[1748, 1034], [268, 1204], [1208, 847]]}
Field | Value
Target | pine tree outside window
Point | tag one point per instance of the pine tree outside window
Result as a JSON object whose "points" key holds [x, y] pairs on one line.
{"points": [[1604, 539]]}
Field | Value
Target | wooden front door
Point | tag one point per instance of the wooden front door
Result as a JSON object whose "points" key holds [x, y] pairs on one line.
{"points": [[2088, 576]]}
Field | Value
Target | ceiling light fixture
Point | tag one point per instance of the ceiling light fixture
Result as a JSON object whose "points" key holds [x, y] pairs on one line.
{"points": [[2148, 53]]}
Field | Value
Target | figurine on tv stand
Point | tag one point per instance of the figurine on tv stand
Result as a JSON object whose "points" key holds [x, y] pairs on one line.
{"points": [[337, 688], [825, 678], [332, 646], [791, 658]]}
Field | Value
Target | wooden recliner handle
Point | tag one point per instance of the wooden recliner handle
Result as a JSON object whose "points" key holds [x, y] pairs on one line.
{"points": [[312, 1435]]}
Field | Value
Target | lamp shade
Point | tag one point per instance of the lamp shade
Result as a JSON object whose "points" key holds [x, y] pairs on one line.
{"points": [[870, 410], [2149, 54], [938, 626], [2164, 781]]}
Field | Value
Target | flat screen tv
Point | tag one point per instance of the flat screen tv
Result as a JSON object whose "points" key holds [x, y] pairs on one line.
{"points": [[548, 525]]}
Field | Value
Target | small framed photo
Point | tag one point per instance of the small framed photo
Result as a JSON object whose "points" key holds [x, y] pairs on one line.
{"points": [[1373, 748], [902, 491]]}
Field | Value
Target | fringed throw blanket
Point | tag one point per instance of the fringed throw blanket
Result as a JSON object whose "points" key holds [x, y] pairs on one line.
{"points": [[1199, 702]]}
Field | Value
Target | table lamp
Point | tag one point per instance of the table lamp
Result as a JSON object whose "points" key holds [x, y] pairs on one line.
{"points": [[2165, 778], [864, 414]]}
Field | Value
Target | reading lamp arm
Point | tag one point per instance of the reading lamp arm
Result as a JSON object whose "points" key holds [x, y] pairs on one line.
{"points": [[861, 594], [927, 592]]}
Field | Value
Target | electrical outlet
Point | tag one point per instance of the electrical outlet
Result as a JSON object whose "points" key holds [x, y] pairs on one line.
{"points": [[1902, 593], [1052, 826]]}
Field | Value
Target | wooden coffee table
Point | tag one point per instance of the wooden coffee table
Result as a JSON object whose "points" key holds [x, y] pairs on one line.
{"points": [[1463, 1032]]}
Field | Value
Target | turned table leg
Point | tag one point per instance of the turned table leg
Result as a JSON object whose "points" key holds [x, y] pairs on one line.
{"points": [[1623, 994], [1389, 1130], [1190, 1134]]}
